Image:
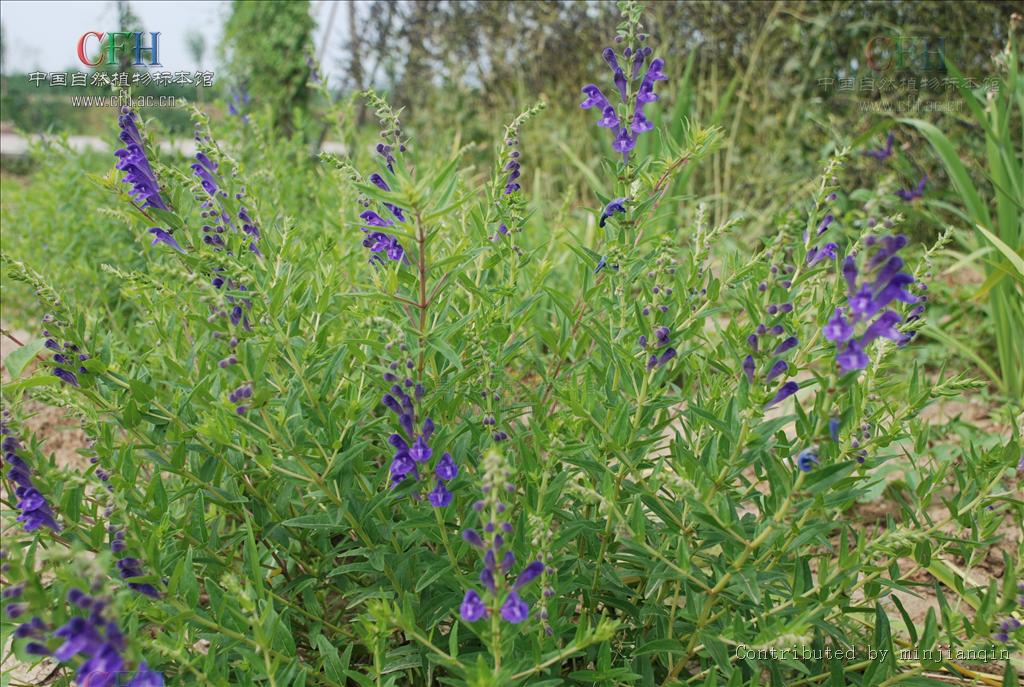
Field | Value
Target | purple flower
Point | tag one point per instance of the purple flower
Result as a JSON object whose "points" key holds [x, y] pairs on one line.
{"points": [[402, 465], [131, 568], [833, 428], [881, 153], [146, 677], [609, 120], [473, 538], [515, 610], [787, 344], [595, 98], [446, 468], [640, 123], [440, 496], [777, 369], [838, 329], [852, 357], [615, 206], [748, 368], [816, 255], [164, 237], [472, 607], [378, 242], [884, 326], [823, 227], [375, 220], [911, 194], [807, 459], [528, 574], [785, 391], [66, 376], [420, 451]]}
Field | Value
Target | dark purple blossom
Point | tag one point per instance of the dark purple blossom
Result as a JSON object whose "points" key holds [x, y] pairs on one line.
{"points": [[777, 369], [816, 255], [440, 496], [614, 206], [130, 568], [164, 237], [514, 610], [446, 468], [807, 459], [825, 223], [784, 392], [472, 607], [66, 376], [748, 368], [788, 343]]}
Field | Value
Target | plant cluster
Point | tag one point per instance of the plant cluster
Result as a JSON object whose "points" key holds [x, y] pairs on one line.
{"points": [[408, 438]]}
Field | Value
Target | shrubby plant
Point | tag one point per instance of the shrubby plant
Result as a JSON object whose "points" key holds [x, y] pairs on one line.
{"points": [[425, 446]]}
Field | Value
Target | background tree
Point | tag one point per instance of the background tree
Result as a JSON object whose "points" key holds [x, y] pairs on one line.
{"points": [[271, 64]]}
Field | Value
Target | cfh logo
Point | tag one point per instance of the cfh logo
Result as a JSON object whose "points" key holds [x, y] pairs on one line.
{"points": [[118, 43], [899, 51]]}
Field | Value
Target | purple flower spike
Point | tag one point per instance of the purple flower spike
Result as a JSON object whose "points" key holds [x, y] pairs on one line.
{"points": [[472, 607], [132, 160], [785, 391], [164, 237], [515, 610]]}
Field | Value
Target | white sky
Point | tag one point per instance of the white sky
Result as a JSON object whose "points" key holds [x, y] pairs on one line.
{"points": [[43, 36]]}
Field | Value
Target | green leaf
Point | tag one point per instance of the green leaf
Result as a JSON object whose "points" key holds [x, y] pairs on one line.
{"points": [[1014, 258], [18, 359]]}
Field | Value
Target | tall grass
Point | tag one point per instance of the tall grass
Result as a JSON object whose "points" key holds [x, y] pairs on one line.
{"points": [[1000, 234]]}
